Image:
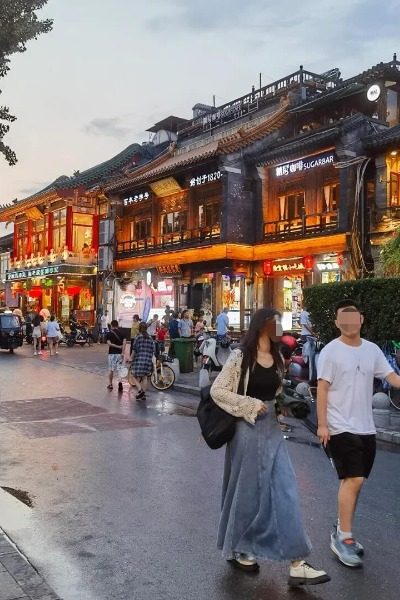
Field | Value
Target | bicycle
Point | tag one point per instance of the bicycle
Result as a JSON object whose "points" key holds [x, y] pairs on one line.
{"points": [[391, 350], [162, 377]]}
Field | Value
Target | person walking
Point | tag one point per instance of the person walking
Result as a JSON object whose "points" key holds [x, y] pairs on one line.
{"points": [[134, 329], [306, 325], [185, 325], [142, 361], [261, 516], [153, 326], [116, 351], [346, 370], [53, 333], [37, 333], [222, 323], [173, 333], [103, 327]]}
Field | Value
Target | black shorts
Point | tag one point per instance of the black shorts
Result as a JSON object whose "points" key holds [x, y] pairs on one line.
{"points": [[353, 454]]}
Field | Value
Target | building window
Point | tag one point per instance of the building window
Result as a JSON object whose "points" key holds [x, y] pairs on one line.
{"points": [[331, 197], [140, 229], [59, 229], [291, 206], [209, 214], [22, 238], [82, 232], [38, 237], [174, 222], [394, 189]]}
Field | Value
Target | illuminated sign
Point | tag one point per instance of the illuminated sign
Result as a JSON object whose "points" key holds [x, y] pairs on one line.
{"points": [[202, 179], [53, 270], [305, 164], [292, 265], [169, 271], [328, 266], [373, 93], [136, 198]]}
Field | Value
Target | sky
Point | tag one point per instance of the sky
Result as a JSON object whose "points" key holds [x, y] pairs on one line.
{"points": [[111, 69]]}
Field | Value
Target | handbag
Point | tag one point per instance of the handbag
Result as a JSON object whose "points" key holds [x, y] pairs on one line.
{"points": [[123, 371], [217, 426]]}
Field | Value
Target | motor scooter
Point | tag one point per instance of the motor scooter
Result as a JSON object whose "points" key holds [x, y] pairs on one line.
{"points": [[301, 359]]}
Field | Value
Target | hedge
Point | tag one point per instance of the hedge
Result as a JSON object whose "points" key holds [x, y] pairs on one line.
{"points": [[378, 298]]}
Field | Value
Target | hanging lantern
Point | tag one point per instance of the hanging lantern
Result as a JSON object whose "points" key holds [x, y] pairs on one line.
{"points": [[35, 293], [308, 262], [73, 290], [267, 267], [340, 259]]}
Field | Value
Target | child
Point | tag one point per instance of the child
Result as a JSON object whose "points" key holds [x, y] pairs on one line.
{"points": [[160, 336]]}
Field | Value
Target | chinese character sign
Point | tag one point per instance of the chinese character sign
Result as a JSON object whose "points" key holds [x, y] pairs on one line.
{"points": [[305, 164], [136, 198], [206, 178]]}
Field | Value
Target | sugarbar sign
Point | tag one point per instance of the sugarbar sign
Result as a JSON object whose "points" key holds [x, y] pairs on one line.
{"points": [[305, 164]]}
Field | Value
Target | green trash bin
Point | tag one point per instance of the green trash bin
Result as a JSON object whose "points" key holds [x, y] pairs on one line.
{"points": [[183, 348]]}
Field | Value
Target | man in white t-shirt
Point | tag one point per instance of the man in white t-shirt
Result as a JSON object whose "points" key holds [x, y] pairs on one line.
{"points": [[346, 370], [306, 325]]}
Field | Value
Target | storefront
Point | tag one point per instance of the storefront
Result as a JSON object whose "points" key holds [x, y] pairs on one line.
{"points": [[284, 280], [60, 288]]}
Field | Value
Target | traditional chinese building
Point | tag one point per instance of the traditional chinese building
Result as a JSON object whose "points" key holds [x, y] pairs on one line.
{"points": [[56, 238], [6, 244]]}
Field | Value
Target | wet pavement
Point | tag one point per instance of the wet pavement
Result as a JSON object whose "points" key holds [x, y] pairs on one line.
{"points": [[125, 497]]}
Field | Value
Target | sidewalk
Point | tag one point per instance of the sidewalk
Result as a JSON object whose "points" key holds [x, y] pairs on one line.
{"points": [[19, 580], [188, 383]]}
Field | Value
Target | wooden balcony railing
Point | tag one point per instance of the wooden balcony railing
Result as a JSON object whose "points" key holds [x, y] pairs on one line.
{"points": [[170, 241], [307, 225]]}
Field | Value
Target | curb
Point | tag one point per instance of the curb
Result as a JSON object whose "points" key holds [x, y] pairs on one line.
{"points": [[187, 389], [385, 435], [18, 577]]}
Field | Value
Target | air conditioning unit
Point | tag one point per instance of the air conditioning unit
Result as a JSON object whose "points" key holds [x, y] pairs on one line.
{"points": [[106, 232], [105, 258]]}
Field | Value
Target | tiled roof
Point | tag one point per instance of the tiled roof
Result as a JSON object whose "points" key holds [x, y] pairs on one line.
{"points": [[96, 175], [179, 158], [387, 139], [328, 97]]}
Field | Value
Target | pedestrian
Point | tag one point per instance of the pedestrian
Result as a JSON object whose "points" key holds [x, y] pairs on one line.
{"points": [[261, 517], [153, 326], [346, 370], [37, 333], [53, 333], [45, 313], [185, 325], [134, 329], [142, 360], [173, 333], [222, 323], [161, 335], [116, 351], [103, 326], [306, 325], [167, 315]]}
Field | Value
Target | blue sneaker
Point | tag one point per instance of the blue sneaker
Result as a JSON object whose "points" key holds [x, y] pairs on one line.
{"points": [[358, 547], [346, 551]]}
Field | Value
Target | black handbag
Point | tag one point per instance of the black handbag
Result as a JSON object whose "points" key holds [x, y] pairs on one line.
{"points": [[217, 426]]}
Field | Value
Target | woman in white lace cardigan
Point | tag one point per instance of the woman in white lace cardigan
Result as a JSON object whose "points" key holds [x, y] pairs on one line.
{"points": [[260, 516]]}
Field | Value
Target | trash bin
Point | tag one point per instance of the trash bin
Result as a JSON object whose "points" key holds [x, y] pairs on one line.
{"points": [[183, 348]]}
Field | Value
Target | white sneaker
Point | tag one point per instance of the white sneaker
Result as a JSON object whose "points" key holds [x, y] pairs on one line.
{"points": [[305, 574], [35, 354]]}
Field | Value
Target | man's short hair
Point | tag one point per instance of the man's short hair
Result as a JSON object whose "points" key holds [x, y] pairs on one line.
{"points": [[114, 323], [347, 303]]}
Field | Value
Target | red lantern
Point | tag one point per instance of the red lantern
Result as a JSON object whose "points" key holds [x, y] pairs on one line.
{"points": [[340, 259], [308, 262], [73, 290], [267, 267]]}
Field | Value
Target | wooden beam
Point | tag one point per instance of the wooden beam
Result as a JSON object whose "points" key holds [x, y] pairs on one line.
{"points": [[301, 247]]}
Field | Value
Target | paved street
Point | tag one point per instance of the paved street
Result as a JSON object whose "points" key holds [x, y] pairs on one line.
{"points": [[125, 498]]}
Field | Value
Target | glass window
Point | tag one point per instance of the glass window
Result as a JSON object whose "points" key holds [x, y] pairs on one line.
{"points": [[38, 237], [392, 108], [294, 206], [173, 222], [140, 229], [394, 189], [22, 238], [209, 214], [82, 233], [59, 229]]}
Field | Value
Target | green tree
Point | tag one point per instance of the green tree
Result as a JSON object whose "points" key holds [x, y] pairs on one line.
{"points": [[18, 24], [390, 255]]}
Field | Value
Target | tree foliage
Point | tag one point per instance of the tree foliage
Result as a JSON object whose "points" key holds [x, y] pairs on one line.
{"points": [[378, 298], [390, 256], [18, 25]]}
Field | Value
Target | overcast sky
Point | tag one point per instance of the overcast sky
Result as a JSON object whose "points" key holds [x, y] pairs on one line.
{"points": [[111, 69]]}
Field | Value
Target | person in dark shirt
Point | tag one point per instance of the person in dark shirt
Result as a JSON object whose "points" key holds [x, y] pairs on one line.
{"points": [[173, 332], [116, 341]]}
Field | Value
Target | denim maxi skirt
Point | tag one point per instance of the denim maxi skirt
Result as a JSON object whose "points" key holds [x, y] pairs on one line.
{"points": [[260, 504]]}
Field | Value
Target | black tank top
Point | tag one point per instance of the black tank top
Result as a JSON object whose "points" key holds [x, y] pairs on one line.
{"points": [[263, 382]]}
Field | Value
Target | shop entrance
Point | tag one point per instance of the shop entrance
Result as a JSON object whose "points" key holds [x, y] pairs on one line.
{"points": [[290, 290]]}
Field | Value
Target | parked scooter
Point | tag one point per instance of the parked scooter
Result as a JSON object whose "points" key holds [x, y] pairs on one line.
{"points": [[66, 338], [301, 359]]}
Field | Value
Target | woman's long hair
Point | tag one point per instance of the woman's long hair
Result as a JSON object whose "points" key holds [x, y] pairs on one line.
{"points": [[250, 342], [143, 329], [36, 321]]}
